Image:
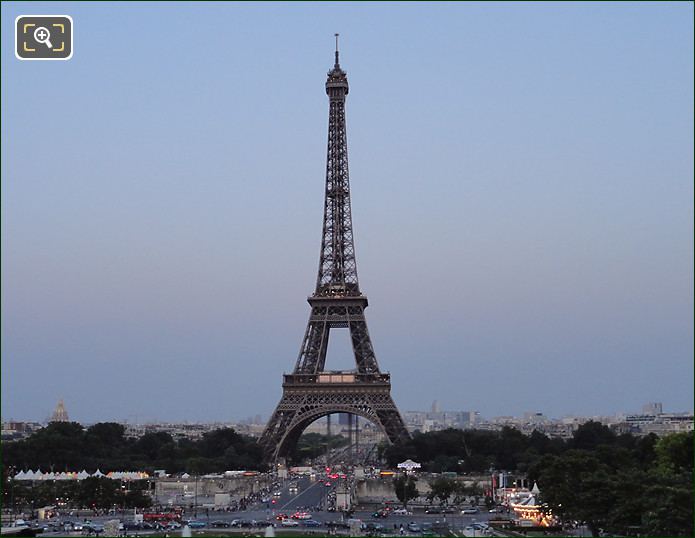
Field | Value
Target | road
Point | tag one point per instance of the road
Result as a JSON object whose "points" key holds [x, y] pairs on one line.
{"points": [[311, 497]]}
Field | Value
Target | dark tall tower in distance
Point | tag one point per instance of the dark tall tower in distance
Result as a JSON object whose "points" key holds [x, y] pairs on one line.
{"points": [[311, 392]]}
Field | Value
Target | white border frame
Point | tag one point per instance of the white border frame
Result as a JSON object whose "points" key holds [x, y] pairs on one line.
{"points": [[72, 41]]}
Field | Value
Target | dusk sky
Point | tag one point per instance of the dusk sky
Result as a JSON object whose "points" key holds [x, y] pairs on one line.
{"points": [[522, 193]]}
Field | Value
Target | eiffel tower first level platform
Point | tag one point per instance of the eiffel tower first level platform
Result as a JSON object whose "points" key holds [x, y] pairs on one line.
{"points": [[310, 391]]}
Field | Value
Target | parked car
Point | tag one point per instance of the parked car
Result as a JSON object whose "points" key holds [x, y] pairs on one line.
{"points": [[195, 524], [288, 522], [433, 510], [471, 510], [311, 523], [413, 527], [220, 524]]}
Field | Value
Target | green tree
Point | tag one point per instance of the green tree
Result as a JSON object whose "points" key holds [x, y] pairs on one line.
{"points": [[592, 434], [441, 488], [578, 486], [674, 453], [405, 488], [463, 492]]}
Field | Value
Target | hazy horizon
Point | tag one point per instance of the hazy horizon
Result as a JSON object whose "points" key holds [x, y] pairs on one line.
{"points": [[522, 197]]}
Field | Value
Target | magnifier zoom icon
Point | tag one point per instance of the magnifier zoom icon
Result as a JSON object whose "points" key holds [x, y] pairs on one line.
{"points": [[42, 35]]}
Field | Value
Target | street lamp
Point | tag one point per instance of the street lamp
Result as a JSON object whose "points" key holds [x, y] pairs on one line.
{"points": [[10, 478], [195, 498]]}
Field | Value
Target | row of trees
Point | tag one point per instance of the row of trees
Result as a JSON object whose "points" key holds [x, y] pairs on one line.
{"points": [[93, 492], [466, 451], [617, 483], [63, 446], [619, 490], [442, 489]]}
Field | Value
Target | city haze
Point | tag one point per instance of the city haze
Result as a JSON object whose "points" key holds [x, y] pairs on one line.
{"points": [[522, 195]]}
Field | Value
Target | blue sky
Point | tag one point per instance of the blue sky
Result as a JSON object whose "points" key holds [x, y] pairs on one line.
{"points": [[522, 188]]}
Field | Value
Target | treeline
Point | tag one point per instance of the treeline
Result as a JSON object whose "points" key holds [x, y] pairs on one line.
{"points": [[467, 451], [68, 446], [93, 492], [620, 484]]}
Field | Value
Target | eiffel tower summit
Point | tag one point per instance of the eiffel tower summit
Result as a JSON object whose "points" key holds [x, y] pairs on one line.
{"points": [[311, 392]]}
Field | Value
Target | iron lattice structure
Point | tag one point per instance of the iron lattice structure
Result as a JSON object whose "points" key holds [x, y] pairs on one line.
{"points": [[311, 392]]}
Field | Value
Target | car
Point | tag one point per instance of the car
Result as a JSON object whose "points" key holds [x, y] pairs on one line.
{"points": [[433, 510], [447, 510], [301, 515], [173, 525], [246, 523], [496, 510], [402, 512], [195, 524], [311, 523], [373, 526], [277, 493], [337, 524], [413, 527], [427, 529], [327, 484], [290, 523], [92, 528], [220, 524], [281, 516], [471, 510], [381, 513]]}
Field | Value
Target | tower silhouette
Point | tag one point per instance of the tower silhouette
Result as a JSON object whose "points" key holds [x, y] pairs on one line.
{"points": [[311, 392]]}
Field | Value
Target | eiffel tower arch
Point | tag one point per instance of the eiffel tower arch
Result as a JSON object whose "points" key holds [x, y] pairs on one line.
{"points": [[311, 392]]}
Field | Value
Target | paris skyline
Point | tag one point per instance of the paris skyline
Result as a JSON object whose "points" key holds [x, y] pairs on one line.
{"points": [[521, 193]]}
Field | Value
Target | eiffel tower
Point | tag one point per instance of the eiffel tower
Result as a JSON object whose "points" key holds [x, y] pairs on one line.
{"points": [[311, 392]]}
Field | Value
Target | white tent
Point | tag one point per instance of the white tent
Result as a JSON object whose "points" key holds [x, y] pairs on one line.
{"points": [[98, 473], [21, 475], [82, 475], [535, 489], [185, 475]]}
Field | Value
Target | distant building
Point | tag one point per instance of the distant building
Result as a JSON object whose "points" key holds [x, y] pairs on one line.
{"points": [[13, 430], [652, 408], [60, 414]]}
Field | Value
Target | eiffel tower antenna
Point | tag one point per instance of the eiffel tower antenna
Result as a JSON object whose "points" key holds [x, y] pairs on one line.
{"points": [[337, 63], [310, 391]]}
